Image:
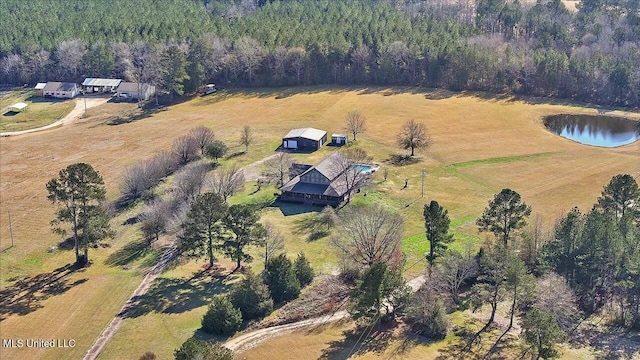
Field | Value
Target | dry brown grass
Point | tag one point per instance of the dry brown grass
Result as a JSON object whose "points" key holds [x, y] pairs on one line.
{"points": [[464, 128]]}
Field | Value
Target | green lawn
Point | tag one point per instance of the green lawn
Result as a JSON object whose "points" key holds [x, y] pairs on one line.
{"points": [[39, 112]]}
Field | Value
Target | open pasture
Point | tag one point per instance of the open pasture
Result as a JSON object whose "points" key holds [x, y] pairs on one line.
{"points": [[480, 145]]}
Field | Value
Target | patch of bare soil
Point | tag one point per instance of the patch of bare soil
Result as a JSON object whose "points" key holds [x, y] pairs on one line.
{"points": [[327, 295]]}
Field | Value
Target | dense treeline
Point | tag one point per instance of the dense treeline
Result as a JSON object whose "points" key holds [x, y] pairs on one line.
{"points": [[491, 45], [599, 252]]}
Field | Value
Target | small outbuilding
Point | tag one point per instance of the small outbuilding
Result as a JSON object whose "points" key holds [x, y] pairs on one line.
{"points": [[38, 88], [134, 91], [339, 139], [61, 90], [97, 85], [307, 139], [17, 107]]}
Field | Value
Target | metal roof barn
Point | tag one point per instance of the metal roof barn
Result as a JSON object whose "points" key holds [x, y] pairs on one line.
{"points": [[307, 133], [101, 82]]}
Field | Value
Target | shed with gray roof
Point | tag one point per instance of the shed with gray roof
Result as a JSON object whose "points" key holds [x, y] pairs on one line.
{"points": [[61, 90]]}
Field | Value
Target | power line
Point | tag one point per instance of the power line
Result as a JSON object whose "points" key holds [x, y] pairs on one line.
{"points": [[10, 227]]}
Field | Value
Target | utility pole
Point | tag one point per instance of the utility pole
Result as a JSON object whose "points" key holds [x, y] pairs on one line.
{"points": [[10, 227], [424, 173]]}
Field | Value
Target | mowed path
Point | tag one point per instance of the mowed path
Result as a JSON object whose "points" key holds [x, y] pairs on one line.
{"points": [[81, 105]]}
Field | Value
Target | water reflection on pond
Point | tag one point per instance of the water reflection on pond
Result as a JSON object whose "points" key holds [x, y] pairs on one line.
{"points": [[604, 131]]}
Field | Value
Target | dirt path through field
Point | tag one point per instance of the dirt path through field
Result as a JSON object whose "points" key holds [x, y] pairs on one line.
{"points": [[251, 173], [117, 321], [251, 339], [71, 117]]}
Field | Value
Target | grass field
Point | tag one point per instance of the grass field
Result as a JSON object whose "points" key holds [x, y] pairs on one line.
{"points": [[480, 145], [40, 111]]}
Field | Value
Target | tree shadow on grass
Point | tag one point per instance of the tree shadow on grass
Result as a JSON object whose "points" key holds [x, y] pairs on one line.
{"points": [[290, 209], [463, 349], [613, 342], [26, 295], [312, 226], [359, 341], [402, 160], [128, 253], [175, 296], [147, 112]]}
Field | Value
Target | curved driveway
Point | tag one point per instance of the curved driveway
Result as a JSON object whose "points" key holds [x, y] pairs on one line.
{"points": [[70, 118]]}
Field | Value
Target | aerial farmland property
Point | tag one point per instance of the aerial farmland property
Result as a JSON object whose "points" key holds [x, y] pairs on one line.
{"points": [[320, 180]]}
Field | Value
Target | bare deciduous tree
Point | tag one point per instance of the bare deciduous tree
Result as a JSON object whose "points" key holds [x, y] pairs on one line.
{"points": [[204, 136], [297, 59], [135, 180], [328, 217], [246, 137], [554, 295], [185, 148], [349, 176], [355, 123], [452, 270], [273, 242], [413, 135], [227, 181], [369, 234], [533, 237], [153, 220], [362, 58], [69, 59], [277, 168], [165, 163], [146, 174], [188, 183], [250, 55]]}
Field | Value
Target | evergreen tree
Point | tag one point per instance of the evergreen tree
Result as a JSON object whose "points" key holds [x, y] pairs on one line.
{"points": [[202, 231], [251, 296], [222, 318], [505, 213], [436, 222], [244, 229], [304, 271], [174, 70], [80, 190], [281, 279]]}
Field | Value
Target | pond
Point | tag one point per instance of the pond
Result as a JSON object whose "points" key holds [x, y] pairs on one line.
{"points": [[596, 130]]}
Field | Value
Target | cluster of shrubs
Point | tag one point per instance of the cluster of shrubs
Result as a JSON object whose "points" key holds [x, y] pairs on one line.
{"points": [[253, 297], [427, 314], [199, 349], [139, 178]]}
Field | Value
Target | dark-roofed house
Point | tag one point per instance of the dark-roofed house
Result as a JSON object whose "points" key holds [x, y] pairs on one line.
{"points": [[321, 184], [308, 139], [61, 90], [97, 85], [134, 91]]}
